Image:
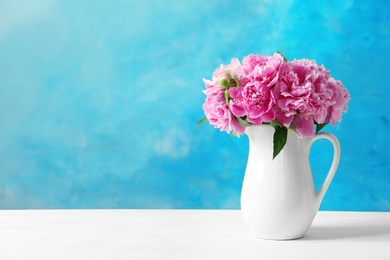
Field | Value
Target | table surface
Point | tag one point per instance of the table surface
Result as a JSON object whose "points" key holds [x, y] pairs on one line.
{"points": [[183, 234]]}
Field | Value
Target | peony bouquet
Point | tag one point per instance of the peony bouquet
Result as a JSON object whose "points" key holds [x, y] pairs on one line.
{"points": [[297, 95]]}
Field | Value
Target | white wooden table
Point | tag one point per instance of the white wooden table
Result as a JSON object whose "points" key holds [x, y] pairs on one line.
{"points": [[183, 234]]}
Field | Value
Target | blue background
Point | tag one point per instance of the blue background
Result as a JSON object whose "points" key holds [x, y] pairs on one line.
{"points": [[98, 99]]}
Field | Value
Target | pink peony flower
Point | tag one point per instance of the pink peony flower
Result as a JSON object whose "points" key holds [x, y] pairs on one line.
{"points": [[234, 69], [264, 69], [215, 107], [218, 113], [254, 100], [340, 98], [306, 93]]}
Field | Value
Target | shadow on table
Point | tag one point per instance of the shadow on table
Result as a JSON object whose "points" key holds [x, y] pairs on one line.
{"points": [[340, 232]]}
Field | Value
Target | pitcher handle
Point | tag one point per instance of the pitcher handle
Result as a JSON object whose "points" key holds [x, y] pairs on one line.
{"points": [[335, 163]]}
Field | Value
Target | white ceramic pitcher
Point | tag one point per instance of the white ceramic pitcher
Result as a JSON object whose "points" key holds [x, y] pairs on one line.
{"points": [[278, 198]]}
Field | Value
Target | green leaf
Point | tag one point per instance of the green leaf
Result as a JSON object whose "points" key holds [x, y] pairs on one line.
{"points": [[280, 139], [275, 123], [201, 121], [243, 122], [284, 58], [320, 126], [227, 97], [233, 134], [225, 83]]}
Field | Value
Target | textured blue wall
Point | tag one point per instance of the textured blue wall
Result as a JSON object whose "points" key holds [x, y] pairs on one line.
{"points": [[98, 99]]}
